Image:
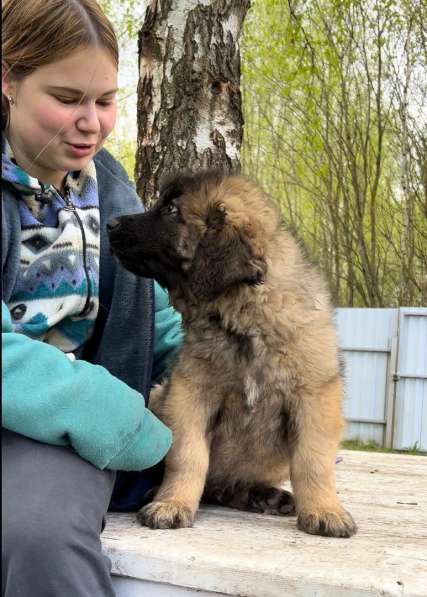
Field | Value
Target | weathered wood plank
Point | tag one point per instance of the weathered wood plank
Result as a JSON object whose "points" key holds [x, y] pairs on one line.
{"points": [[238, 553]]}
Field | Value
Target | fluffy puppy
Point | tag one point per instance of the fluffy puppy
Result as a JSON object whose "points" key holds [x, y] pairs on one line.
{"points": [[255, 395]]}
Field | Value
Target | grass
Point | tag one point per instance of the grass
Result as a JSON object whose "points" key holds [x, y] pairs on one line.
{"points": [[371, 446]]}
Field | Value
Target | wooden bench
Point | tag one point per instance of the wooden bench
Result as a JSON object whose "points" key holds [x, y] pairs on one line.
{"points": [[228, 552]]}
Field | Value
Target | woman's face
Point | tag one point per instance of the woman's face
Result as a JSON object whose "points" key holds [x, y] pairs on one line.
{"points": [[62, 113]]}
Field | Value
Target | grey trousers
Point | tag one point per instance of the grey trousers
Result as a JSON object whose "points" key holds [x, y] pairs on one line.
{"points": [[53, 505]]}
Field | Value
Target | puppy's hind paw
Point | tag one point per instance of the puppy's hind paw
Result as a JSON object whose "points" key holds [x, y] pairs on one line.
{"points": [[166, 515], [328, 524], [271, 500]]}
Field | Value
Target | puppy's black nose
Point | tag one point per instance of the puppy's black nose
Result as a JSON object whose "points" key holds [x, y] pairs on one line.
{"points": [[113, 224]]}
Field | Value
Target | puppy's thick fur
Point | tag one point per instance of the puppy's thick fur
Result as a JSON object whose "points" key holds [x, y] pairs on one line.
{"points": [[256, 393]]}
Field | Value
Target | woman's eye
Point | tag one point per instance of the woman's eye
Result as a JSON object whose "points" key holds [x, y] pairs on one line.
{"points": [[65, 100], [69, 100]]}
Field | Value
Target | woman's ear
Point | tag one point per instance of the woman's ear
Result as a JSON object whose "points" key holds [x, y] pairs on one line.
{"points": [[7, 86]]}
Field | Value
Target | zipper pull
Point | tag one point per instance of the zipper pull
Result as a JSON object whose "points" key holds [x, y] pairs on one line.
{"points": [[69, 205]]}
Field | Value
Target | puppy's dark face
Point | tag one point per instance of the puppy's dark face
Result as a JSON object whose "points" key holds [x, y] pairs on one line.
{"points": [[195, 238], [149, 244]]}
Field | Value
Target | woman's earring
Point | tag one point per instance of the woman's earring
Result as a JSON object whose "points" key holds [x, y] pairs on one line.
{"points": [[11, 100]]}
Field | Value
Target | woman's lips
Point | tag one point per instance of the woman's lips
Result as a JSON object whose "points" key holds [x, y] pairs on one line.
{"points": [[80, 150]]}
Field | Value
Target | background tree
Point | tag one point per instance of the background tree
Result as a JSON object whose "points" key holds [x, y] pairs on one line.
{"points": [[189, 102]]}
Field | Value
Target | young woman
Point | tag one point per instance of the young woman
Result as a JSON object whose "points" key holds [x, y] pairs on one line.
{"points": [[83, 339]]}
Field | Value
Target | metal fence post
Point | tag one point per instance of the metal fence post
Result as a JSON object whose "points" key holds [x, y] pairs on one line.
{"points": [[390, 398]]}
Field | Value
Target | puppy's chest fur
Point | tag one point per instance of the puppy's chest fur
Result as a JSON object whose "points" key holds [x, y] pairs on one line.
{"points": [[254, 408], [246, 353], [245, 365]]}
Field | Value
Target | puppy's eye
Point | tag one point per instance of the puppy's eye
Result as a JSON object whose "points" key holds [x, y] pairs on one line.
{"points": [[171, 209]]}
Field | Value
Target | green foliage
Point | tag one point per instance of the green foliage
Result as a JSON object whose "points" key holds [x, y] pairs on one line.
{"points": [[123, 149], [332, 136], [123, 16], [126, 17], [122, 141]]}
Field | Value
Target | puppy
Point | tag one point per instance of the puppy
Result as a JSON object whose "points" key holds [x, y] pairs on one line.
{"points": [[255, 396]]}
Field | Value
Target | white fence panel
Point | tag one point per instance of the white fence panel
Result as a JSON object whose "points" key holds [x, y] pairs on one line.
{"points": [[385, 354], [365, 337], [410, 429]]}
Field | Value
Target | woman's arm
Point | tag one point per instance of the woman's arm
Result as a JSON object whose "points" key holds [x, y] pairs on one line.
{"points": [[167, 334], [53, 400]]}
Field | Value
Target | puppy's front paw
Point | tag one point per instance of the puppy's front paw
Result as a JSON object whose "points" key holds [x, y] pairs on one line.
{"points": [[338, 523], [166, 515]]}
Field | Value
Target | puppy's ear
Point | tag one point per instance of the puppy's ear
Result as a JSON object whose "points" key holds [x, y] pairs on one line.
{"points": [[174, 186], [223, 258], [186, 181]]}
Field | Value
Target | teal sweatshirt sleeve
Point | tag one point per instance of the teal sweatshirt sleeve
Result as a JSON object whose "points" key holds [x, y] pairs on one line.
{"points": [[167, 334], [51, 399]]}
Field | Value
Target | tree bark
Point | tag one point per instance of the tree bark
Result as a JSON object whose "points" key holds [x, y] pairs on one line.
{"points": [[189, 102]]}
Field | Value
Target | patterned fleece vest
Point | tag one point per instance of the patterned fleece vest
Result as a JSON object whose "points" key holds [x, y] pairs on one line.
{"points": [[55, 298]]}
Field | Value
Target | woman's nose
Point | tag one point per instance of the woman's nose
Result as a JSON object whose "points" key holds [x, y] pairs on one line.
{"points": [[88, 119]]}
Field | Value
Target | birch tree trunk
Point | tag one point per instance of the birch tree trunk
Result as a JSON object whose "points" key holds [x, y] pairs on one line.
{"points": [[189, 102]]}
